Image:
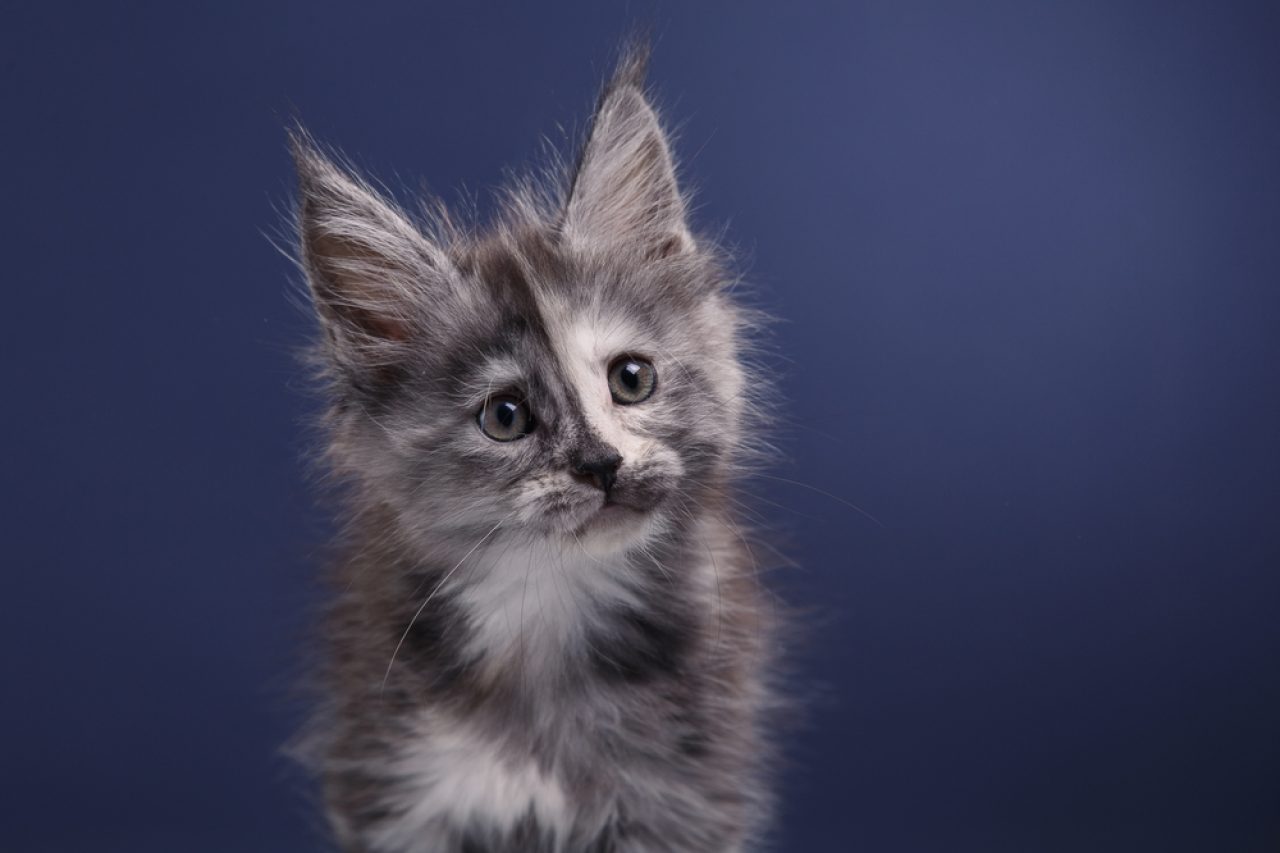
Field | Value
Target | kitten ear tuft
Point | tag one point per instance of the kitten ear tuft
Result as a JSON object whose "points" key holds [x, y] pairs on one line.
{"points": [[633, 64], [367, 264], [624, 190]]}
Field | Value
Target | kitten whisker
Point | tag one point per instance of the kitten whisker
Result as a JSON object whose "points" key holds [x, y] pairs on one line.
{"points": [[715, 567], [524, 593], [823, 492], [427, 601]]}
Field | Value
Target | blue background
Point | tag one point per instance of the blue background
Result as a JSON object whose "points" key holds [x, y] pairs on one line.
{"points": [[1027, 257]]}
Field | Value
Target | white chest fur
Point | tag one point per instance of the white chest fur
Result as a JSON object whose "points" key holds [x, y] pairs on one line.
{"points": [[528, 605], [454, 778]]}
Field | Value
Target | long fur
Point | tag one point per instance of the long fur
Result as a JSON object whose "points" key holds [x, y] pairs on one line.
{"points": [[508, 666]]}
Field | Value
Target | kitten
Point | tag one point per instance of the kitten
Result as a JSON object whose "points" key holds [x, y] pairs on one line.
{"points": [[547, 632]]}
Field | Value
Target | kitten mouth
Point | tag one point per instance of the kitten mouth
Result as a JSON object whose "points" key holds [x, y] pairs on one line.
{"points": [[610, 513]]}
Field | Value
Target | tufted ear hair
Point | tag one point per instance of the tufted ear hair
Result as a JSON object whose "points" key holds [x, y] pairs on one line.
{"points": [[624, 190], [371, 271]]}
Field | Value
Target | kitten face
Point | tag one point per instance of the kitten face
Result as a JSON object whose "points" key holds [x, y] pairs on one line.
{"points": [[472, 378], [543, 330]]}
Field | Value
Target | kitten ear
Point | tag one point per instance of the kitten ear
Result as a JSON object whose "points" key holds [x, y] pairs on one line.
{"points": [[369, 268], [624, 190]]}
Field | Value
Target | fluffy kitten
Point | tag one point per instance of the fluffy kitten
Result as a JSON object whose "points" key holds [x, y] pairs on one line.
{"points": [[547, 632]]}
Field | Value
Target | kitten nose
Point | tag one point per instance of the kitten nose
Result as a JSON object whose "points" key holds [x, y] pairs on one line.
{"points": [[600, 470]]}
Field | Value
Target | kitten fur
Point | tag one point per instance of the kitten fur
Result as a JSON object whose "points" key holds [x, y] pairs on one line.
{"points": [[510, 664]]}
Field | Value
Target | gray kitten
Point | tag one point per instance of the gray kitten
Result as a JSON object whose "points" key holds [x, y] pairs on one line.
{"points": [[547, 632]]}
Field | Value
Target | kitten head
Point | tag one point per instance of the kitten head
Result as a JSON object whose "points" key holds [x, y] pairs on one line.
{"points": [[573, 374]]}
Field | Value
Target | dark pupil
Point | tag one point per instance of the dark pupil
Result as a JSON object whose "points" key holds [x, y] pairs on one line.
{"points": [[630, 375], [506, 414]]}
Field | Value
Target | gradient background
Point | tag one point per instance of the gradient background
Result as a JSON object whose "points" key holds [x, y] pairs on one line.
{"points": [[1027, 256]]}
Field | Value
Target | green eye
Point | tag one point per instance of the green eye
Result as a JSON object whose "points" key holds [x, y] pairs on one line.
{"points": [[505, 418], [632, 380]]}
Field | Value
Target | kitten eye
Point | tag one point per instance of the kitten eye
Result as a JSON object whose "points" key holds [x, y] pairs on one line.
{"points": [[505, 418], [632, 380]]}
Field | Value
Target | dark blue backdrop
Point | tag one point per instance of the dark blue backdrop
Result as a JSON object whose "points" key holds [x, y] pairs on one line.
{"points": [[1027, 255]]}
